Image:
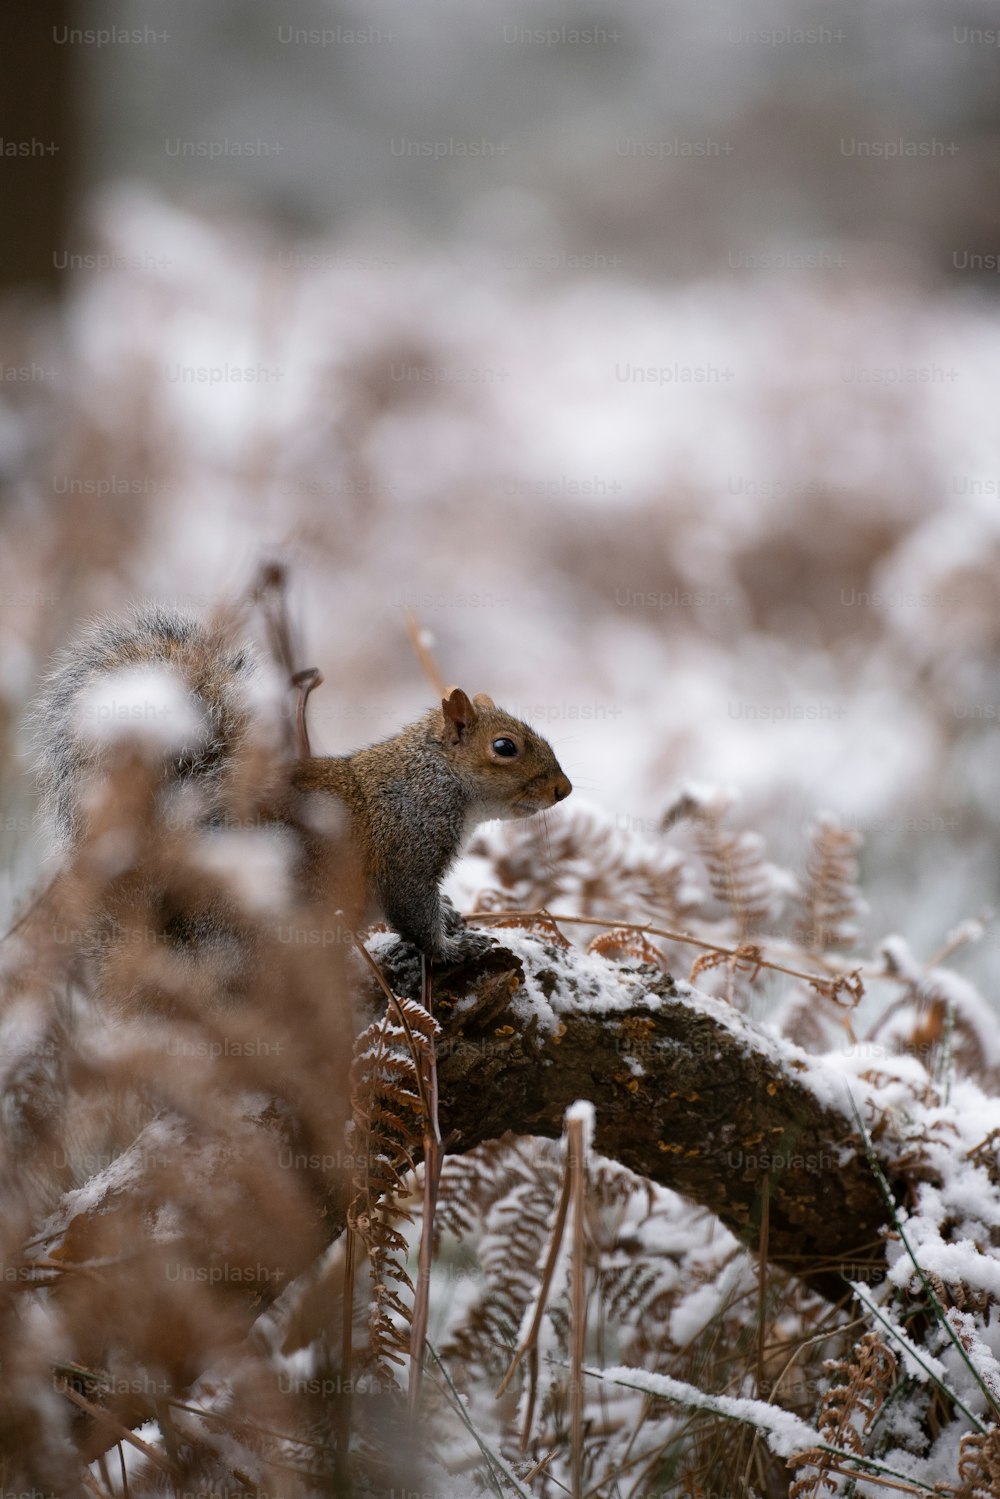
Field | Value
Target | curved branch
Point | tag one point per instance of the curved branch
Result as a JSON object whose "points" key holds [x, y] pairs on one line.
{"points": [[687, 1092]]}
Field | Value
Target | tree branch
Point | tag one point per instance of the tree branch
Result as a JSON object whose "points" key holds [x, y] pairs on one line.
{"points": [[687, 1092]]}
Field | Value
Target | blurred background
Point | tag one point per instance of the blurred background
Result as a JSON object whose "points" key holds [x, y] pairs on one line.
{"points": [[648, 351]]}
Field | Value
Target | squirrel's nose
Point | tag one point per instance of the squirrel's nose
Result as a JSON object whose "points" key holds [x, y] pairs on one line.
{"points": [[561, 789]]}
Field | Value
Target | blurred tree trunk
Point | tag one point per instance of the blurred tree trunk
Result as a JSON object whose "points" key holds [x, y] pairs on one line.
{"points": [[38, 76]]}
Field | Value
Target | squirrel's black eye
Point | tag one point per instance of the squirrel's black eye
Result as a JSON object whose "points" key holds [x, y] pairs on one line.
{"points": [[505, 748]]}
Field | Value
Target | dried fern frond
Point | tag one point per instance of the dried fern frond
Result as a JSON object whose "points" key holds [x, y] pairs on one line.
{"points": [[387, 1127], [830, 901], [741, 881], [746, 957], [622, 943], [940, 1017], [979, 1465], [845, 990], [638, 1288], [538, 922], [472, 1183], [865, 1380], [585, 859], [515, 1233], [814, 1026]]}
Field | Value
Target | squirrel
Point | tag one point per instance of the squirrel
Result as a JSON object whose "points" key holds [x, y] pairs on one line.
{"points": [[409, 800]]}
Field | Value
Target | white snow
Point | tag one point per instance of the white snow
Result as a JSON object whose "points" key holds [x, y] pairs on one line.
{"points": [[253, 862], [149, 705], [785, 1433]]}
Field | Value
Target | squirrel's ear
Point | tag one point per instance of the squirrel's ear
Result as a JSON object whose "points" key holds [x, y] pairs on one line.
{"points": [[482, 701], [459, 714]]}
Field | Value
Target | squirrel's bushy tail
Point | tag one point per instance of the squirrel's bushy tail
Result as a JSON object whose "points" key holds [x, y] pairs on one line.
{"points": [[180, 691]]}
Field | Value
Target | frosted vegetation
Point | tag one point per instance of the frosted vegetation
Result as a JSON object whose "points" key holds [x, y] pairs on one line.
{"points": [[755, 610]]}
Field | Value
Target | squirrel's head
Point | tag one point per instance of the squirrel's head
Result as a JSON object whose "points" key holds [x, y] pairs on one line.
{"points": [[512, 770]]}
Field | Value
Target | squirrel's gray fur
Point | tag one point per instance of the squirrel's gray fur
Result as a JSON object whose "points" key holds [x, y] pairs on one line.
{"points": [[147, 635]]}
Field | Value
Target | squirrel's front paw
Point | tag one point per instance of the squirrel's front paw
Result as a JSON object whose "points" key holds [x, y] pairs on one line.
{"points": [[463, 944], [452, 920]]}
